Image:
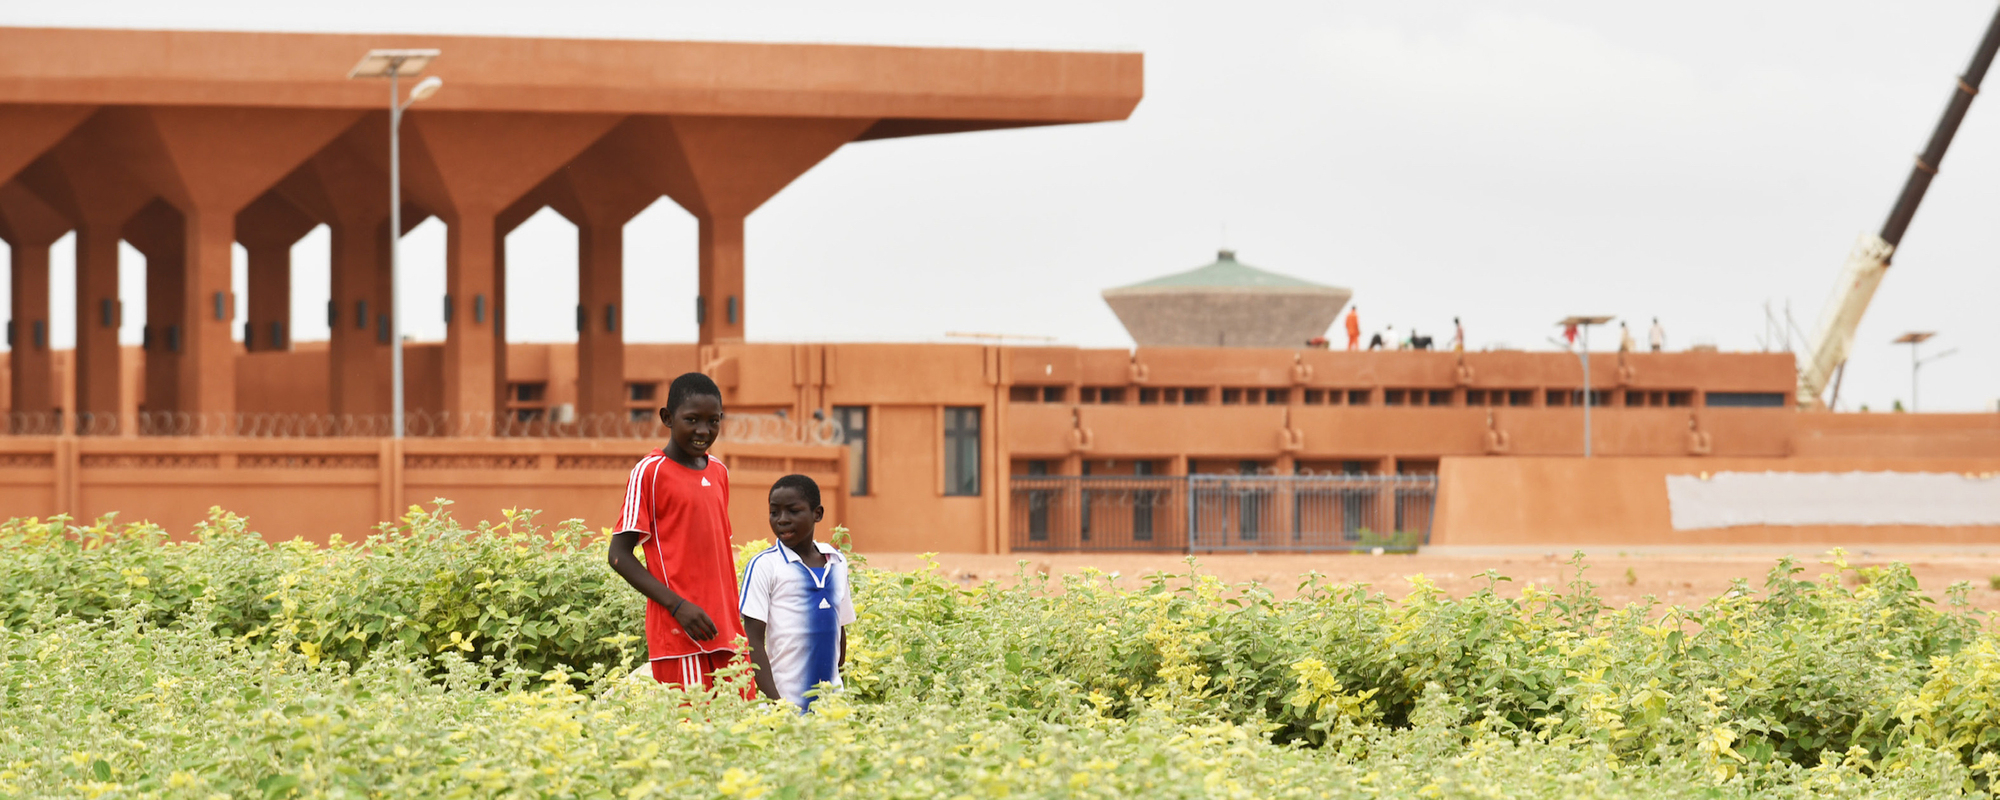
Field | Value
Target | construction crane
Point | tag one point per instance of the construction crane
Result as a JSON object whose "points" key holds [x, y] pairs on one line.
{"points": [[1869, 260]]}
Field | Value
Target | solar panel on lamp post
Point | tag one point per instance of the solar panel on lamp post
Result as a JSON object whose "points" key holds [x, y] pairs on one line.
{"points": [[394, 64], [1913, 339], [1583, 323]]}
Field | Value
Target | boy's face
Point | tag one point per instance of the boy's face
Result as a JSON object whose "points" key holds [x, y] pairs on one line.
{"points": [[695, 423], [792, 518]]}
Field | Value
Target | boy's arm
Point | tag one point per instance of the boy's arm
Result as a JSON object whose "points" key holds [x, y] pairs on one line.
{"points": [[753, 629], [625, 562]]}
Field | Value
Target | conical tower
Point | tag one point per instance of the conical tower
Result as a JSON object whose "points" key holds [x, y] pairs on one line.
{"points": [[1226, 304]]}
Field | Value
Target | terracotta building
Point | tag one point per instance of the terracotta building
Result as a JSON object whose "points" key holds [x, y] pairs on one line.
{"points": [[183, 144]]}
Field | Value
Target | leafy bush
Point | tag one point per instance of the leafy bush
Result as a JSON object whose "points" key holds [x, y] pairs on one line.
{"points": [[435, 661]]}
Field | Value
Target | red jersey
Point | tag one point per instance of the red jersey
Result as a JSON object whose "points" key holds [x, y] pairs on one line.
{"points": [[683, 517]]}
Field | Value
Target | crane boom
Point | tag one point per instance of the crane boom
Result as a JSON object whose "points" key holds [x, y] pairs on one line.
{"points": [[1869, 260]]}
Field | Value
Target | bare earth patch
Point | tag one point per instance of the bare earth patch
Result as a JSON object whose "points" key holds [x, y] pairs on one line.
{"points": [[1676, 579]]}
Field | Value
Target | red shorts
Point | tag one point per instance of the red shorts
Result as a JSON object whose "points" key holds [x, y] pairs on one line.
{"points": [[697, 669]]}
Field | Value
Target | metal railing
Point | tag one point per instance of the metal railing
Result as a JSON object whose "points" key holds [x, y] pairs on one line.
{"points": [[1265, 513], [747, 428], [1066, 512]]}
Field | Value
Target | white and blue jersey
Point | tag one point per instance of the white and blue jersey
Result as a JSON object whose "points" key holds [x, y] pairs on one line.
{"points": [[803, 610]]}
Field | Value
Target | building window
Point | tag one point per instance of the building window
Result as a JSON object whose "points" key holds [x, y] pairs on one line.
{"points": [[530, 392], [1194, 397], [854, 433], [1680, 399], [1232, 397], [1392, 397], [640, 414], [1148, 397], [1358, 397], [1277, 397], [1083, 507], [1055, 394], [1039, 501], [961, 452], [1025, 394], [641, 392], [1249, 504], [1111, 394], [1142, 505], [1745, 400], [1440, 397]]}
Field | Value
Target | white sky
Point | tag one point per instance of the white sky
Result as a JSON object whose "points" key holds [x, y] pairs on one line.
{"points": [[1507, 162]]}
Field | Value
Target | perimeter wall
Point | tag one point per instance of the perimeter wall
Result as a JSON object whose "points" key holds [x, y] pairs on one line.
{"points": [[1622, 502], [311, 489]]}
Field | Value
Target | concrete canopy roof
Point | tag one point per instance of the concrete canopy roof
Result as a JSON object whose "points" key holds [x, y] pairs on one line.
{"points": [[908, 90]]}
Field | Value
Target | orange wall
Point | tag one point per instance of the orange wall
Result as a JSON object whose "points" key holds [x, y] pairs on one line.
{"points": [[906, 388], [1561, 502], [313, 488]]}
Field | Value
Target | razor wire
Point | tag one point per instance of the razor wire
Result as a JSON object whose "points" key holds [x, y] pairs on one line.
{"points": [[745, 428]]}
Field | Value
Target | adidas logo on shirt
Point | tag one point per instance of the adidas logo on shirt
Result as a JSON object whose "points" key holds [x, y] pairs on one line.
{"points": [[822, 604], [704, 482]]}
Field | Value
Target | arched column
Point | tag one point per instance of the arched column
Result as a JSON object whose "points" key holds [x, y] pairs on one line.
{"points": [[477, 165], [99, 196], [30, 226], [267, 229], [721, 169]]}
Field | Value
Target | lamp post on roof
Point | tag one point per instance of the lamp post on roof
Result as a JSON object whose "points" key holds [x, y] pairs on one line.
{"points": [[1913, 339], [394, 64], [1582, 324]]}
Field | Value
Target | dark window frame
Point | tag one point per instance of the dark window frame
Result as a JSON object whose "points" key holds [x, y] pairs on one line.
{"points": [[857, 457], [962, 451]]}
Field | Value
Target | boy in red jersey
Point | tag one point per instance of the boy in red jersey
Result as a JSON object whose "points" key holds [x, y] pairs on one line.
{"points": [[677, 508]]}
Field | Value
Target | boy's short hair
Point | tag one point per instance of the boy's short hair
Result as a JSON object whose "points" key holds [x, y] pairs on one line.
{"points": [[693, 384], [805, 486]]}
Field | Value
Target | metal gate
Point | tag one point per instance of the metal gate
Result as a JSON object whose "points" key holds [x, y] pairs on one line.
{"points": [[1209, 513], [1310, 512]]}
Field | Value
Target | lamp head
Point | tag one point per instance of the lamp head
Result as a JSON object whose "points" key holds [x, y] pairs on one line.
{"points": [[425, 88]]}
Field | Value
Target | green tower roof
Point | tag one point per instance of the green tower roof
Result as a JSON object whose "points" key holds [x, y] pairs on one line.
{"points": [[1226, 272]]}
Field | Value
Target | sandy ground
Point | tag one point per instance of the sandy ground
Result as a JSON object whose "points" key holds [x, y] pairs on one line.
{"points": [[1676, 579]]}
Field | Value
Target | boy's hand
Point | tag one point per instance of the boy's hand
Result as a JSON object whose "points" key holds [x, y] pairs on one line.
{"points": [[695, 621]]}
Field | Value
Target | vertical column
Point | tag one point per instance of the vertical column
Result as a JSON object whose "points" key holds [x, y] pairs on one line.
{"points": [[498, 310], [99, 312], [354, 378], [28, 331], [600, 338], [721, 281], [470, 355], [207, 368], [270, 285], [374, 334], [157, 233]]}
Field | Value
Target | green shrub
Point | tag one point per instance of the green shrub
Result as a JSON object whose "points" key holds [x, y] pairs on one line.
{"points": [[435, 661]]}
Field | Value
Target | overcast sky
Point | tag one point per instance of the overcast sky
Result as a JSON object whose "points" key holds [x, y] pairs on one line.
{"points": [[1507, 162]]}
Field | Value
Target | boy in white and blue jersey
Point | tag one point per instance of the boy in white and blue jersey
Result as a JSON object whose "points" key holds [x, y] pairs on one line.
{"points": [[796, 603]]}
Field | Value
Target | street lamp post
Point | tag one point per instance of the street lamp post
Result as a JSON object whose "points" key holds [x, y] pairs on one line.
{"points": [[1583, 325], [394, 64], [1913, 339]]}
